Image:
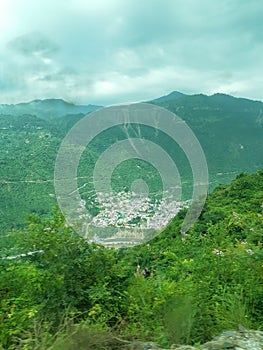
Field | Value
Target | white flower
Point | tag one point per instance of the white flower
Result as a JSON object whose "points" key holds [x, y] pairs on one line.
{"points": [[218, 252]]}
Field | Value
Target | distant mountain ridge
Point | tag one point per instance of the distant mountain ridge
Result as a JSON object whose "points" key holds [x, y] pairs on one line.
{"points": [[53, 108], [47, 108], [229, 129], [171, 96], [218, 96]]}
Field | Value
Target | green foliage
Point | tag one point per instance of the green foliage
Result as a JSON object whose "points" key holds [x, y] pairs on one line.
{"points": [[73, 294], [228, 129]]}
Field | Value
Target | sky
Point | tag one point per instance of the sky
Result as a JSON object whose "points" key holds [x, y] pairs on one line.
{"points": [[116, 51]]}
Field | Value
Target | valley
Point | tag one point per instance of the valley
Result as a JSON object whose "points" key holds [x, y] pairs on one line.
{"points": [[229, 130]]}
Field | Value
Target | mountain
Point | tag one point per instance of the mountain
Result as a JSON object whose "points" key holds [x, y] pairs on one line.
{"points": [[229, 129], [172, 96], [46, 109]]}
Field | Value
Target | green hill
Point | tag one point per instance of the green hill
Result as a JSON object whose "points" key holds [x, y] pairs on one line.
{"points": [[172, 290], [229, 129]]}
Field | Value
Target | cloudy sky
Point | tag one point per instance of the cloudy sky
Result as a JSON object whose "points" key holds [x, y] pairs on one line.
{"points": [[114, 51]]}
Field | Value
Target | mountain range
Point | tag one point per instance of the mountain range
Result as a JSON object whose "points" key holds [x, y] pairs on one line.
{"points": [[229, 129], [46, 109]]}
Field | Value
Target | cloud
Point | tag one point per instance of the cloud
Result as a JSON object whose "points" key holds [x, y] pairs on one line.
{"points": [[34, 43], [112, 51]]}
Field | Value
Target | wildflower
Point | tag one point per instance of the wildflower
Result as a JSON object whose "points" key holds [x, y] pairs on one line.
{"points": [[250, 251], [218, 252], [183, 235], [251, 229]]}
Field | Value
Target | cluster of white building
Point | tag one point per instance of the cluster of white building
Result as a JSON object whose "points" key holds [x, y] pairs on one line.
{"points": [[128, 209], [126, 218]]}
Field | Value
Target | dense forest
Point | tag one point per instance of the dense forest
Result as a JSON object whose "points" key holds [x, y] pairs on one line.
{"points": [[58, 291]]}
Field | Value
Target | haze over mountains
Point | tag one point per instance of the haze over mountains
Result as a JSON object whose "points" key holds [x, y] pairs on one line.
{"points": [[56, 108], [230, 131], [46, 109]]}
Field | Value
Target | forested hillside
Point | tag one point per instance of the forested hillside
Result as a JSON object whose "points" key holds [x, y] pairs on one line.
{"points": [[70, 294], [28, 147], [230, 131]]}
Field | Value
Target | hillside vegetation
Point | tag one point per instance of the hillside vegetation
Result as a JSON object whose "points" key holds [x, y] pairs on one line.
{"points": [[174, 289]]}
